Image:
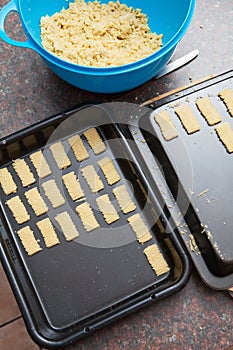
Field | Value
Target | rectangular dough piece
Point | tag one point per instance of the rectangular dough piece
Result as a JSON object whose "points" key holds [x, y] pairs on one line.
{"points": [[95, 141], [23, 171], [36, 201], [208, 111], [140, 228], [7, 182], [166, 125], [107, 208], [87, 216], [156, 259], [188, 119], [40, 164], [124, 199], [47, 230], [92, 178], [67, 226], [53, 193], [225, 134], [227, 97], [111, 174], [78, 147], [73, 186], [18, 210], [29, 241], [60, 155]]}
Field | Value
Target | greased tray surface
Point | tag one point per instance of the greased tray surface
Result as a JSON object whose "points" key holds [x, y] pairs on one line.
{"points": [[74, 287], [198, 171]]}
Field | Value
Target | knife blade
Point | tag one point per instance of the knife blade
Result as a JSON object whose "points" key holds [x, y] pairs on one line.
{"points": [[180, 62]]}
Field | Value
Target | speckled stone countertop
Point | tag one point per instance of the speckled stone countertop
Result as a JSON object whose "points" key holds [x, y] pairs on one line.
{"points": [[197, 317]]}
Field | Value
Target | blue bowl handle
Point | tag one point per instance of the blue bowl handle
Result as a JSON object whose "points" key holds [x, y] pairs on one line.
{"points": [[9, 7]]}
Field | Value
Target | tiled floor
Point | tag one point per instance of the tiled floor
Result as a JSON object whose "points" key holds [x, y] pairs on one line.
{"points": [[13, 334]]}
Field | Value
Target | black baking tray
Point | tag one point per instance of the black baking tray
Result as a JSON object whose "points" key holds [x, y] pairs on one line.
{"points": [[74, 288], [195, 173]]}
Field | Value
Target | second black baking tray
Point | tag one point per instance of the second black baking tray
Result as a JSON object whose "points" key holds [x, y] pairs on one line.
{"points": [[194, 173], [75, 287]]}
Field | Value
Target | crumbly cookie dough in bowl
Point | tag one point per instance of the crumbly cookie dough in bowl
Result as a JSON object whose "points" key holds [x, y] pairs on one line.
{"points": [[107, 77]]}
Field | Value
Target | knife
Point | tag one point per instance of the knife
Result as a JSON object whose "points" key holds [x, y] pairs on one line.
{"points": [[170, 67]]}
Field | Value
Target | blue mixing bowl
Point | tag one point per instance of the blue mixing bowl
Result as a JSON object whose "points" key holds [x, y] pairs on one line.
{"points": [[168, 17]]}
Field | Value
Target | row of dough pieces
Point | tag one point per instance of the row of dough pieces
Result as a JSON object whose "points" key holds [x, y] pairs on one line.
{"points": [[85, 212], [191, 124], [26, 235], [41, 165]]}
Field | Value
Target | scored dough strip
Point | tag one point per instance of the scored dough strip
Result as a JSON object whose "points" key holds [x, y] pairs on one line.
{"points": [[40, 164], [23, 171], [208, 111], [227, 97], [156, 259], [7, 182], [124, 199], [92, 178], [140, 228], [47, 230], [188, 119], [107, 208], [60, 155], [67, 226], [29, 241], [110, 172], [53, 193], [87, 217], [95, 141], [73, 186], [78, 148], [18, 210], [225, 134], [166, 125], [36, 201]]}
